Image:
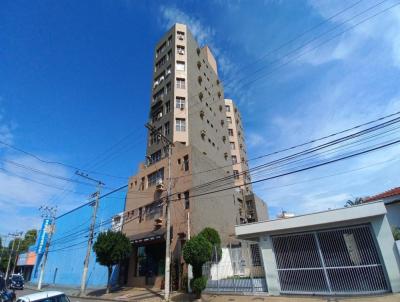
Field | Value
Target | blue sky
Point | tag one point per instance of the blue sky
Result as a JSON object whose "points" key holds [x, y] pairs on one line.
{"points": [[75, 78]]}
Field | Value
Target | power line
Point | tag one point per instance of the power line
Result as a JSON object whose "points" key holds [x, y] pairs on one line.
{"points": [[249, 83], [326, 20], [299, 145]]}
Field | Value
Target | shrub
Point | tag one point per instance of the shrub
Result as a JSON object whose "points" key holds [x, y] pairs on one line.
{"points": [[198, 285], [213, 237], [196, 252]]}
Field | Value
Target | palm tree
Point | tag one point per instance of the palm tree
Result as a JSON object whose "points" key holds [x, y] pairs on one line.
{"points": [[354, 202]]}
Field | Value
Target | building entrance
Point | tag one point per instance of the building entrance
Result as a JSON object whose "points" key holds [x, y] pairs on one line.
{"points": [[151, 262]]}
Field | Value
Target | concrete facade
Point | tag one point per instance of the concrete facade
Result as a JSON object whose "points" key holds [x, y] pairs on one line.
{"points": [[373, 214], [187, 106]]}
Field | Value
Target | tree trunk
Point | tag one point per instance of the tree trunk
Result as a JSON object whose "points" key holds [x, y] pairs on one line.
{"points": [[109, 279]]}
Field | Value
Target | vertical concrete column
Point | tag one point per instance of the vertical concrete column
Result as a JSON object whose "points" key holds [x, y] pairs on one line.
{"points": [[388, 249], [270, 268]]}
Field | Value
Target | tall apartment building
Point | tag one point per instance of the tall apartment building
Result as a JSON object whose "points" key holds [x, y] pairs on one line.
{"points": [[250, 207], [187, 106]]}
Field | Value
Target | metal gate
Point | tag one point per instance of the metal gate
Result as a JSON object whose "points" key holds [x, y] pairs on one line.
{"points": [[240, 269], [336, 261]]}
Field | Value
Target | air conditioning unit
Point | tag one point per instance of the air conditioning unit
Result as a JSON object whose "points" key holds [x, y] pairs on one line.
{"points": [[159, 115], [161, 79], [160, 185], [180, 38], [168, 71]]}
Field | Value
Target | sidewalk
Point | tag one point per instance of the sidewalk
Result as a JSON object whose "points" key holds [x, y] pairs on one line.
{"points": [[154, 295]]}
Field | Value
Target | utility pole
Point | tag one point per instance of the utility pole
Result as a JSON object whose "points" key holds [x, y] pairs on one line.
{"points": [[3, 247], [96, 195], [16, 256], [167, 283], [190, 270], [47, 213], [15, 235]]}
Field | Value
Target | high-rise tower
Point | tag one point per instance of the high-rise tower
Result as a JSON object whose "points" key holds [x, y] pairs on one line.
{"points": [[187, 106]]}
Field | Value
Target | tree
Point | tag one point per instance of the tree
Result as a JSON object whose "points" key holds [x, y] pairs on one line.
{"points": [[213, 237], [111, 248], [356, 201], [197, 251]]}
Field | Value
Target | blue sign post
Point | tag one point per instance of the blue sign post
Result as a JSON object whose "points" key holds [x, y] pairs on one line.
{"points": [[41, 243]]}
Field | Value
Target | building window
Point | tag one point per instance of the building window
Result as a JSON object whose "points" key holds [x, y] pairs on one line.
{"points": [[166, 129], [230, 132], [180, 65], [181, 35], [157, 115], [161, 49], [168, 71], [168, 88], [167, 107], [180, 83], [232, 146], [160, 63], [180, 124], [180, 49], [155, 177], [155, 157], [186, 162], [158, 96], [229, 119], [180, 103], [234, 159], [187, 201], [235, 174], [256, 255]]}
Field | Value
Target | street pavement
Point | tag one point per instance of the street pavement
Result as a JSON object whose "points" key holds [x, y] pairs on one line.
{"points": [[149, 295]]}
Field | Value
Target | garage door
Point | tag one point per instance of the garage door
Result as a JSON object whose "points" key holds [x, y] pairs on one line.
{"points": [[335, 261]]}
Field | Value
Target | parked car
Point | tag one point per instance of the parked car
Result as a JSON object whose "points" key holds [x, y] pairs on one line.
{"points": [[16, 282], [49, 296]]}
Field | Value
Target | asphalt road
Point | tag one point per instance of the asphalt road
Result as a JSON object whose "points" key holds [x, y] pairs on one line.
{"points": [[26, 291]]}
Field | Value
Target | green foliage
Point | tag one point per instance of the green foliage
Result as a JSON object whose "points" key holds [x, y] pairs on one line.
{"points": [[213, 237], [197, 251], [20, 246], [111, 248], [198, 285], [396, 233], [356, 201]]}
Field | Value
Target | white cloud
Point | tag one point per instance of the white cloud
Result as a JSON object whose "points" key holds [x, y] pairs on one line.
{"points": [[382, 28], [23, 191]]}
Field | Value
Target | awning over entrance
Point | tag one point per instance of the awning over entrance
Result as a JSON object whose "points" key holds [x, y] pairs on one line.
{"points": [[148, 237]]}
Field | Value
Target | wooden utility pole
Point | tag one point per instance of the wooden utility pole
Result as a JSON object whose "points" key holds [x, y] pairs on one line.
{"points": [[91, 230], [47, 213]]}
